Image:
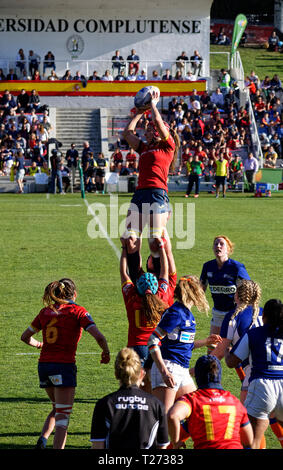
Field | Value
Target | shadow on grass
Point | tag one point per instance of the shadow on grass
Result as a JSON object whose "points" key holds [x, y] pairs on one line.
{"points": [[42, 400]]}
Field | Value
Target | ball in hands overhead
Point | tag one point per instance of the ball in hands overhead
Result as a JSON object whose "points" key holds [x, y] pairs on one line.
{"points": [[144, 97]]}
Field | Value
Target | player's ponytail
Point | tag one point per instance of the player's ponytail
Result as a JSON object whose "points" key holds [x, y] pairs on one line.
{"points": [[190, 293], [249, 294], [59, 292], [127, 367], [153, 308]]}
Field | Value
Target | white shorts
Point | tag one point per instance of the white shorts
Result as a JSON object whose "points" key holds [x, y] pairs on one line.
{"points": [[265, 396], [181, 375], [217, 317], [20, 175]]}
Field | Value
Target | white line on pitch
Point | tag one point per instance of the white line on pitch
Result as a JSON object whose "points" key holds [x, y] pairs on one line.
{"points": [[103, 230]]}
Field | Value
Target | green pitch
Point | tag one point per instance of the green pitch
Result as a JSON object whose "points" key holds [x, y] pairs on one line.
{"points": [[46, 237]]}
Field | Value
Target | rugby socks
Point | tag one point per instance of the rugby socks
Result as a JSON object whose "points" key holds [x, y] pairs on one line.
{"points": [[277, 429]]}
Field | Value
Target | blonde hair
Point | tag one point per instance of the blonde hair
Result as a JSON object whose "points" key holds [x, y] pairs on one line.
{"points": [[153, 308], [127, 367], [190, 291], [58, 292], [249, 294], [230, 245]]}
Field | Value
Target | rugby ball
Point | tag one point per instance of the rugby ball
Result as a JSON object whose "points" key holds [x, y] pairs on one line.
{"points": [[144, 96]]}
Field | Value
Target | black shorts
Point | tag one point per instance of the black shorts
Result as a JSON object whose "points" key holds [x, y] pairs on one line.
{"points": [[53, 374], [100, 172], [220, 180]]}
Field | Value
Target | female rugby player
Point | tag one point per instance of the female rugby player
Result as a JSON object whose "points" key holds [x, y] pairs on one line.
{"points": [[61, 322]]}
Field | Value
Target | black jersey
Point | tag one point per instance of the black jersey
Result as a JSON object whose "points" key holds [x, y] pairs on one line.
{"points": [[130, 419]]}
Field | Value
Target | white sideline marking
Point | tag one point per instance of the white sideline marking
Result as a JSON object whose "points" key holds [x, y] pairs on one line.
{"points": [[117, 252]]}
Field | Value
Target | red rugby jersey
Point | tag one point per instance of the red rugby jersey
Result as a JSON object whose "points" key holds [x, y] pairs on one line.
{"points": [[154, 163], [216, 418], [61, 331], [139, 329]]}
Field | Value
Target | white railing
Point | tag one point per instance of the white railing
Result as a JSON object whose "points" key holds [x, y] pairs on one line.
{"points": [[87, 67]]}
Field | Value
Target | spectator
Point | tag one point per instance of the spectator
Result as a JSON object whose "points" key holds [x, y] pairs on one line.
{"points": [[142, 75], [275, 83], [196, 169], [52, 76], [225, 80], [190, 409], [250, 169], [56, 174], [36, 76], [12, 75], [100, 172], [2, 75], [196, 63], [34, 101], [273, 42], [236, 170], [116, 160], [94, 76], [222, 38], [221, 174], [131, 76], [167, 75], [181, 62], [49, 62], [118, 62], [115, 427], [155, 75], [65, 171], [133, 61], [23, 101], [20, 167], [121, 76], [132, 160], [67, 75], [189, 76], [72, 156], [21, 61], [270, 158], [85, 154], [217, 99], [230, 100], [33, 61], [255, 79], [107, 77], [178, 75]]}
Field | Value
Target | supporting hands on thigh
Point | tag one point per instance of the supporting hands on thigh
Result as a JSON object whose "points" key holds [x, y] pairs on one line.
{"points": [[168, 379]]}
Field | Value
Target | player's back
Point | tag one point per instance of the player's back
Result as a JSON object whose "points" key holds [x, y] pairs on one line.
{"points": [[216, 418]]}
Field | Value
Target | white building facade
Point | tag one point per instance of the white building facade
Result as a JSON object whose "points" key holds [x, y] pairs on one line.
{"points": [[85, 35]]}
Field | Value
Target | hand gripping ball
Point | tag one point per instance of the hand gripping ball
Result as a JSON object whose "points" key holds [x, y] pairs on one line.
{"points": [[144, 96]]}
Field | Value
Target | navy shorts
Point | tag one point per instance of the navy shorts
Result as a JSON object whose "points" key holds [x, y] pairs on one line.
{"points": [[52, 374], [150, 201], [142, 351]]}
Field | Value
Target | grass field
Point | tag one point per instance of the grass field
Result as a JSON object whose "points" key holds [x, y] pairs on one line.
{"points": [[45, 238]]}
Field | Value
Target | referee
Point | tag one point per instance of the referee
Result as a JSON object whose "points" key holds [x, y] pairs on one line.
{"points": [[129, 418]]}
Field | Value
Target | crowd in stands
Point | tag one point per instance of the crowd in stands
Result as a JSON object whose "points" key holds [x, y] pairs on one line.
{"points": [[28, 68], [266, 98], [210, 126]]}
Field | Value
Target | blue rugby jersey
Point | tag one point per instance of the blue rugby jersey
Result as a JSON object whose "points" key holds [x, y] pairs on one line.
{"points": [[222, 282], [239, 326], [180, 326], [265, 345]]}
